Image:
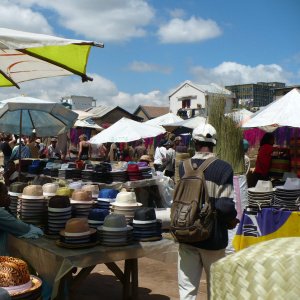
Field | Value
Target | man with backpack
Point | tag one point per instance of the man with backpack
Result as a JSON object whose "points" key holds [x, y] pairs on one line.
{"points": [[202, 212]]}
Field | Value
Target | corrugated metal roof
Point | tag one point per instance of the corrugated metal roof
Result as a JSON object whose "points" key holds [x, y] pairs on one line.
{"points": [[101, 110]]}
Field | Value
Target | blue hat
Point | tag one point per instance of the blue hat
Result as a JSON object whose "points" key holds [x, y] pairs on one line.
{"points": [[98, 214], [107, 194]]}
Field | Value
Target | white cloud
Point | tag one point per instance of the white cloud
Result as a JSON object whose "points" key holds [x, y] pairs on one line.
{"points": [[102, 89], [140, 66], [21, 18], [229, 73], [131, 101], [190, 31], [100, 20]]}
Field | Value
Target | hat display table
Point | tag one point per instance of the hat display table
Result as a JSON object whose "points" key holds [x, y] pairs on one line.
{"points": [[268, 270], [55, 264]]}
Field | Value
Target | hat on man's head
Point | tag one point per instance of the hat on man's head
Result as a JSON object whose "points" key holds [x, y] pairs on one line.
{"points": [[38, 141], [53, 140], [205, 133]]}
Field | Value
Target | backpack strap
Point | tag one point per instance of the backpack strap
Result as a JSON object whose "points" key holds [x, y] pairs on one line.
{"points": [[189, 170]]}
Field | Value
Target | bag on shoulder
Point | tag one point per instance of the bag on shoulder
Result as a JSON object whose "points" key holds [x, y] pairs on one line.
{"points": [[192, 214]]}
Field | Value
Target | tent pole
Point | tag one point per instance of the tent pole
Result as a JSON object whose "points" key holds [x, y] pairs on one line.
{"points": [[20, 137]]}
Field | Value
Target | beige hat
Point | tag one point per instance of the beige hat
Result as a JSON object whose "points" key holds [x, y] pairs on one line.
{"points": [[81, 196], [49, 189], [32, 192], [92, 188], [146, 158]]}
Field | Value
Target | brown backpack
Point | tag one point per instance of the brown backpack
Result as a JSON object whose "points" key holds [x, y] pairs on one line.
{"points": [[192, 214]]}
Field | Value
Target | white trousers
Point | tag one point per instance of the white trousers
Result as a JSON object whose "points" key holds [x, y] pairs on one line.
{"points": [[191, 261]]}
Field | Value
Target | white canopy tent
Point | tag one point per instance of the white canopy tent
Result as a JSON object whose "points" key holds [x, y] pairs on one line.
{"points": [[282, 112], [240, 116], [126, 130], [189, 123], [164, 120]]}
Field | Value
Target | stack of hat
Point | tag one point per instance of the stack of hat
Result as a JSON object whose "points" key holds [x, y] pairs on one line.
{"points": [[145, 169], [106, 197], [102, 173], [97, 216], [134, 172], [261, 195], [82, 203], [77, 234], [69, 171], [115, 231], [15, 190], [51, 169], [286, 196], [125, 204], [49, 189], [87, 173], [119, 175], [93, 188], [145, 225], [33, 205], [16, 280], [59, 212]]}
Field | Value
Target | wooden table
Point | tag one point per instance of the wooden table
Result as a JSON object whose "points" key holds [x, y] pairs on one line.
{"points": [[57, 266]]}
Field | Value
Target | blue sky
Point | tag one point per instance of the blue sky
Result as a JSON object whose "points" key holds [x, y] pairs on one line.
{"points": [[151, 47]]}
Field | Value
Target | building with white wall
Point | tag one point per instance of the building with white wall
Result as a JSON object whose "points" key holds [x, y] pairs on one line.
{"points": [[79, 102], [190, 99]]}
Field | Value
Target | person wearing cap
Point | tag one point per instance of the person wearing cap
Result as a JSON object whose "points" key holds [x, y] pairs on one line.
{"points": [[52, 151], [25, 151], [194, 257]]}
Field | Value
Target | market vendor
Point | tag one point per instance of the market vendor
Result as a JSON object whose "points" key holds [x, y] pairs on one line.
{"points": [[9, 224], [264, 157]]}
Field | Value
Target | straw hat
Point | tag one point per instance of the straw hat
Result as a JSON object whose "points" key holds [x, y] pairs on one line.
{"points": [[125, 198], [81, 196], [49, 189], [64, 191], [32, 192], [146, 158], [262, 186], [267, 270], [17, 280]]}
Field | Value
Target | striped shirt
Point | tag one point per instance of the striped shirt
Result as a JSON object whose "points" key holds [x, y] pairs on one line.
{"points": [[219, 181]]}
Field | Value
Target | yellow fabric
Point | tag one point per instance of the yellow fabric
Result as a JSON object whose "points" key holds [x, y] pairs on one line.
{"points": [[72, 57], [4, 82], [291, 228]]}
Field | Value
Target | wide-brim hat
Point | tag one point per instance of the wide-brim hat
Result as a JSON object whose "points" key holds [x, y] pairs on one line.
{"points": [[144, 215], [77, 234], [262, 186], [32, 192], [16, 188], [26, 290], [114, 222]]}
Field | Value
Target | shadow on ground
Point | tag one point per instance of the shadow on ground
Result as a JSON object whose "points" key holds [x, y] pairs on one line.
{"points": [[97, 286]]}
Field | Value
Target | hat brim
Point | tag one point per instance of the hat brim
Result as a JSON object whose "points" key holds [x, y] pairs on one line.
{"points": [[115, 229], [91, 231], [127, 204], [36, 284]]}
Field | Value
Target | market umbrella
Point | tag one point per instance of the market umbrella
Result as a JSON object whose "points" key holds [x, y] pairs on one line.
{"points": [[164, 120], [25, 115], [126, 130], [27, 56], [282, 112], [189, 123]]}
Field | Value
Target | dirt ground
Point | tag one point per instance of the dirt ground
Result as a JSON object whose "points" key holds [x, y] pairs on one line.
{"points": [[157, 281]]}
